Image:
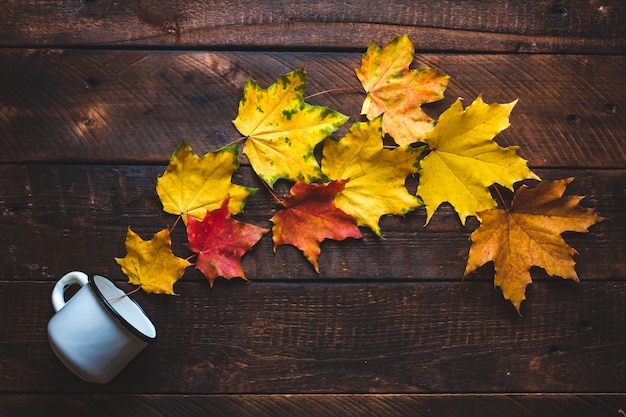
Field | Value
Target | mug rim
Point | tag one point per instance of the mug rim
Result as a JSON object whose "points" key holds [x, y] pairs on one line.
{"points": [[118, 316]]}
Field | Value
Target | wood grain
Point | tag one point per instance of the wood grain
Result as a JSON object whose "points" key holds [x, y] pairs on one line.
{"points": [[380, 405], [343, 338], [575, 26], [96, 94], [137, 106], [76, 216]]}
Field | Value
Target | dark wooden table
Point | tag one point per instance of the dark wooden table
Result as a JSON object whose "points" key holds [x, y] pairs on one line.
{"points": [[95, 95]]}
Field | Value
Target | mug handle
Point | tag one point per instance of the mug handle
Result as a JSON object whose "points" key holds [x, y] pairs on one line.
{"points": [[69, 279]]}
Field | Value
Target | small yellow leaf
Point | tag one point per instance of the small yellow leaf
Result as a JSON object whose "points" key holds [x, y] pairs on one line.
{"points": [[151, 263], [282, 130], [399, 92], [192, 185], [464, 160]]}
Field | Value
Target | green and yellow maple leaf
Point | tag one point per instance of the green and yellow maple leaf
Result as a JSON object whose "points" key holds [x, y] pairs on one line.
{"points": [[529, 234], [151, 263], [282, 130], [397, 91], [377, 176], [192, 185], [464, 160]]}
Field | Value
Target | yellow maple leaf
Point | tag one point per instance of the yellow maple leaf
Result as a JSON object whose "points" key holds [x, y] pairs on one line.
{"points": [[464, 160], [376, 175], [282, 130], [151, 263], [397, 91], [192, 185], [529, 234]]}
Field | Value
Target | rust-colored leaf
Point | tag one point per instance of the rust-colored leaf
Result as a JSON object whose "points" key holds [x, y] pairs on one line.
{"points": [[529, 234], [310, 216]]}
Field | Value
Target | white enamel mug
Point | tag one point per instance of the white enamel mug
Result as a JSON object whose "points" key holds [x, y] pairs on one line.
{"points": [[99, 330]]}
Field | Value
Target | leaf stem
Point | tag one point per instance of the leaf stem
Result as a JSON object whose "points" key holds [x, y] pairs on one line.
{"points": [[124, 295], [238, 140], [506, 208], [333, 90], [180, 216], [269, 190]]}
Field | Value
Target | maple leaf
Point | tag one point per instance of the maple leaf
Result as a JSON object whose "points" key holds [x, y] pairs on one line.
{"points": [[397, 91], [377, 175], [151, 263], [529, 234], [282, 130], [310, 216], [192, 185], [464, 160], [220, 241]]}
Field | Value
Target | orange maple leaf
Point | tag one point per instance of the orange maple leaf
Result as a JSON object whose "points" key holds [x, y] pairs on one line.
{"points": [[397, 91], [529, 234], [220, 241], [310, 216]]}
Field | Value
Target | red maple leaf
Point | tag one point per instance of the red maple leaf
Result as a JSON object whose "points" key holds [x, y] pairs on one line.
{"points": [[310, 216], [220, 241]]}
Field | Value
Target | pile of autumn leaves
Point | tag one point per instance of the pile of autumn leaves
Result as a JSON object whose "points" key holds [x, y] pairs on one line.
{"points": [[359, 180]]}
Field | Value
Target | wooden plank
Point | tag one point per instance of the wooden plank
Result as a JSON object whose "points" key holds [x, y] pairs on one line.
{"points": [[381, 405], [575, 26], [342, 338], [58, 217], [137, 106]]}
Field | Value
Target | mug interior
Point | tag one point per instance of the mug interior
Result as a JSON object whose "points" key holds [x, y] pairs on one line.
{"points": [[124, 308]]}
